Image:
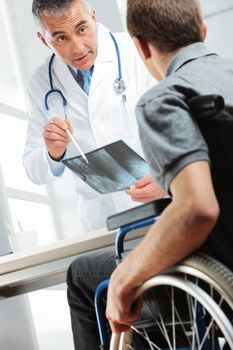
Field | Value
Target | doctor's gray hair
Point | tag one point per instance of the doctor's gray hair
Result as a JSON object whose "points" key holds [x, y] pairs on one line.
{"points": [[56, 7]]}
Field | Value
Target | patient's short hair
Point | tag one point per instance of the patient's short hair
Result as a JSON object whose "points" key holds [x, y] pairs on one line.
{"points": [[166, 24]]}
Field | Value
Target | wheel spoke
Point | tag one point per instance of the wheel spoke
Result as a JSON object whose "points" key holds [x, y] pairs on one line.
{"points": [[173, 318], [193, 320]]}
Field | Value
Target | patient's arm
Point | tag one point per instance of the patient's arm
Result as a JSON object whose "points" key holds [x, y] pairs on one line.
{"points": [[183, 226]]}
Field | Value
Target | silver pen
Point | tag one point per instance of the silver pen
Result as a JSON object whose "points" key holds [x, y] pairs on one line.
{"points": [[73, 139], [77, 146]]}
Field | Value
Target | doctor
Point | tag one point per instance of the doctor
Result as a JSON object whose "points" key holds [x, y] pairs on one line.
{"points": [[97, 108]]}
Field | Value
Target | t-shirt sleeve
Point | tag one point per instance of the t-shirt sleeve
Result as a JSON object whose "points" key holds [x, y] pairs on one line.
{"points": [[170, 136]]}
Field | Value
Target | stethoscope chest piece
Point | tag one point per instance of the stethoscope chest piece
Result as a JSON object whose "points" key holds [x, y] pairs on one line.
{"points": [[119, 85]]}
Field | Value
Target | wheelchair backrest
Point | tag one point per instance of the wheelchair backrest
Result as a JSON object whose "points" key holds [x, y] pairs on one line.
{"points": [[216, 126]]}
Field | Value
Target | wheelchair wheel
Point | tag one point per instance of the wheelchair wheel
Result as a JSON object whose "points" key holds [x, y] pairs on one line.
{"points": [[188, 307]]}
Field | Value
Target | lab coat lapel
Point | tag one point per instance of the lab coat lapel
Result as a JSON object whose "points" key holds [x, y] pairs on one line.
{"points": [[66, 80], [105, 60], [76, 97]]}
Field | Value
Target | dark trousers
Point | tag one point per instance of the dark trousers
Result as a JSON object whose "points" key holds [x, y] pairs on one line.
{"points": [[83, 276]]}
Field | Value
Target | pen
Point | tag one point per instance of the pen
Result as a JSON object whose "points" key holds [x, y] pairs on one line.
{"points": [[72, 138], [77, 146]]}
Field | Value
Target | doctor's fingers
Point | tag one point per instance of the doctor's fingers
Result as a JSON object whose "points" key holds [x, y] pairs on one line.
{"points": [[54, 129], [68, 122], [146, 180], [138, 192], [61, 123], [146, 194], [53, 138], [56, 148]]}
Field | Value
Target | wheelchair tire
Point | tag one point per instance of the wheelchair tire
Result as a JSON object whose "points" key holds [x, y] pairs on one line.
{"points": [[209, 270], [208, 285]]}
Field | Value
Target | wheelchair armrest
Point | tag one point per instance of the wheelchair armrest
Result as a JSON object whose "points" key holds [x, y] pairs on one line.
{"points": [[138, 213]]}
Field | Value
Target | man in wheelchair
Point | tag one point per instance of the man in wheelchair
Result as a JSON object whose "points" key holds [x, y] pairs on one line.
{"points": [[188, 144], [169, 37]]}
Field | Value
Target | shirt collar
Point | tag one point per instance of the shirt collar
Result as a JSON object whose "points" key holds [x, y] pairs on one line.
{"points": [[187, 54], [74, 71]]}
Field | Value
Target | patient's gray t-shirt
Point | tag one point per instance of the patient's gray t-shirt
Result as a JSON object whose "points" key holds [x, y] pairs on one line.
{"points": [[170, 137]]}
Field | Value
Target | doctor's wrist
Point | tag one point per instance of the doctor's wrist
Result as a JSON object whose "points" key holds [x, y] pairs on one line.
{"points": [[57, 159]]}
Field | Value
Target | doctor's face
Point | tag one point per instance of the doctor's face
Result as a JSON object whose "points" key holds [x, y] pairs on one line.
{"points": [[72, 36]]}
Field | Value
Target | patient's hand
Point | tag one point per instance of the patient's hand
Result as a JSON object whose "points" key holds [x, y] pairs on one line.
{"points": [[145, 190]]}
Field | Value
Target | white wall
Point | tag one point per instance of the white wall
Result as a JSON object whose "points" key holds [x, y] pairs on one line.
{"points": [[219, 15]]}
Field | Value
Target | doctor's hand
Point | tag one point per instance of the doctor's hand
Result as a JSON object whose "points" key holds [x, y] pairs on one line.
{"points": [[145, 190], [56, 137]]}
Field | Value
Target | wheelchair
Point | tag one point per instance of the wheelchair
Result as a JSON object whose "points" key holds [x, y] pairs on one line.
{"points": [[189, 306]]}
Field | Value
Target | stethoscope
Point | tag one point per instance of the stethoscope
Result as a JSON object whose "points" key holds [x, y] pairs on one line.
{"points": [[119, 83]]}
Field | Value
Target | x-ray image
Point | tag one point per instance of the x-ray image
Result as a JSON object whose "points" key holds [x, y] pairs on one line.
{"points": [[111, 168]]}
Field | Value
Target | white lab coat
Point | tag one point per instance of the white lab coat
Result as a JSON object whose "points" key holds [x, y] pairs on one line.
{"points": [[97, 120]]}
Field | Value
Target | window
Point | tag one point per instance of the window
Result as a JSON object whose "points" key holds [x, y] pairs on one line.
{"points": [[33, 216], [13, 135], [29, 204], [10, 93]]}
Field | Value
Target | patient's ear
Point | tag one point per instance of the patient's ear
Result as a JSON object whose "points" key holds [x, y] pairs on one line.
{"points": [[143, 48], [204, 29]]}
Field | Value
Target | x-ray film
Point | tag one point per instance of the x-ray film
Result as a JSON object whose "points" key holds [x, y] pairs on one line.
{"points": [[114, 167]]}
